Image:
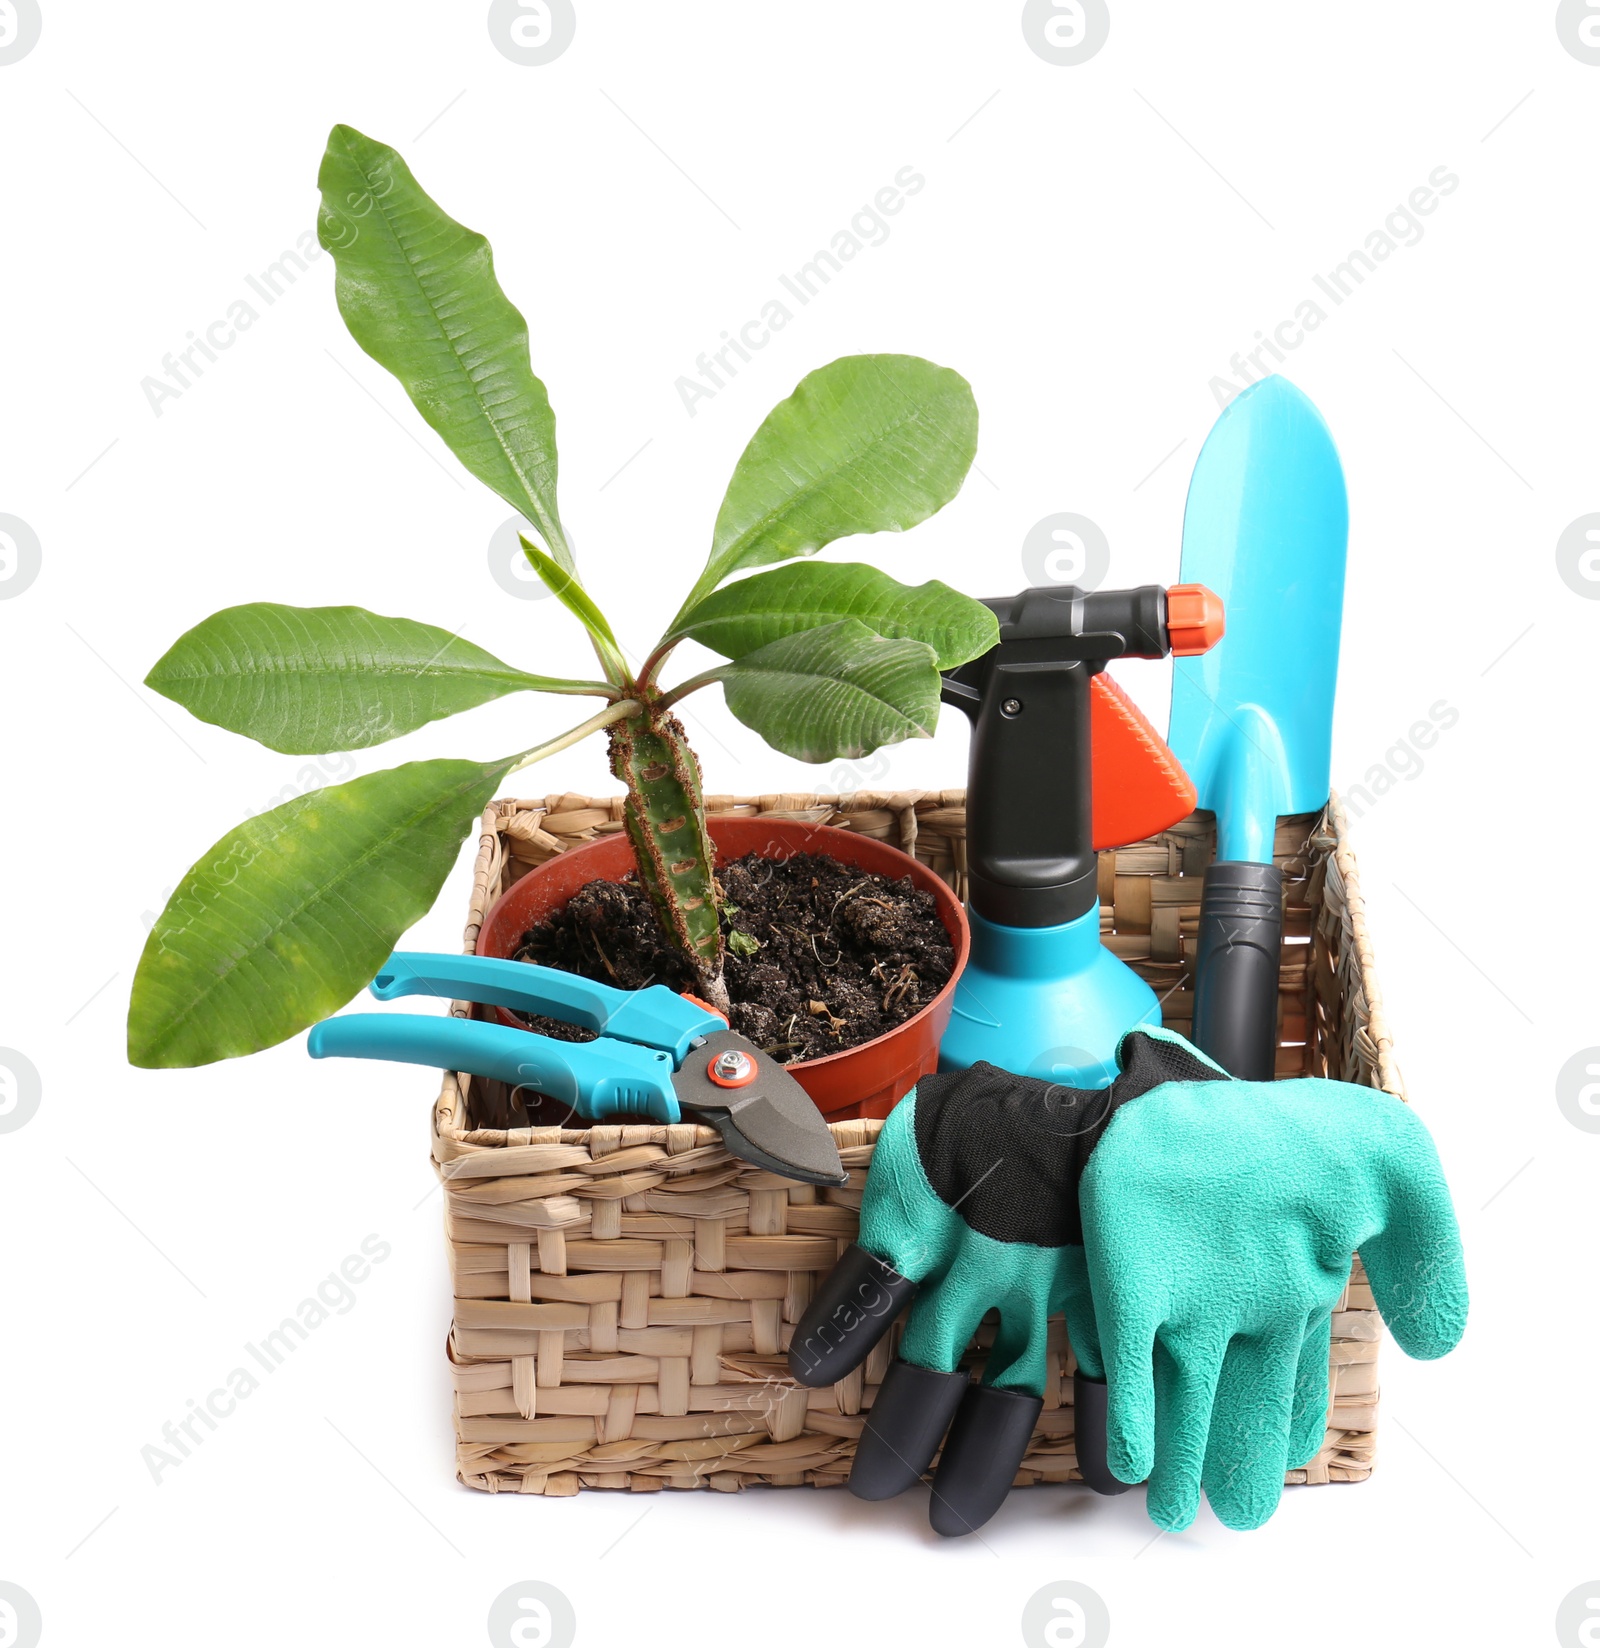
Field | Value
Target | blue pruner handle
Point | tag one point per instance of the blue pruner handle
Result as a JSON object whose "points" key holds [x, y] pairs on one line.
{"points": [[653, 1017], [597, 1078]]}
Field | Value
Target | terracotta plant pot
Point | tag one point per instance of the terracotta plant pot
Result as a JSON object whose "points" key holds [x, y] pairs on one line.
{"points": [[867, 1080]]}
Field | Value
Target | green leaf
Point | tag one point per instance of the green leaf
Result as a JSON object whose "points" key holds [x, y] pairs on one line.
{"points": [[835, 691], [739, 618], [577, 600], [306, 680], [418, 292], [289, 915], [870, 443]]}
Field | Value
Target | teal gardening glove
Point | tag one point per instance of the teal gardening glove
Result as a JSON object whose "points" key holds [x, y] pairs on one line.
{"points": [[1219, 1219], [1196, 1232], [968, 1207]]}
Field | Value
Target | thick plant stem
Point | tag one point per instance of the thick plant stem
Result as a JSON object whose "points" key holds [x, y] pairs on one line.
{"points": [[665, 820]]}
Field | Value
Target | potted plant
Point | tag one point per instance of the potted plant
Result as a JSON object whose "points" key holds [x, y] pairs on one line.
{"points": [[289, 915]]}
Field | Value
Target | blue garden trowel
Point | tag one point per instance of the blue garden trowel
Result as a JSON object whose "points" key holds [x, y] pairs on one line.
{"points": [[1266, 527]]}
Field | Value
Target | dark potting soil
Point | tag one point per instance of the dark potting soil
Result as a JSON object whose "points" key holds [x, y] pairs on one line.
{"points": [[820, 955]]}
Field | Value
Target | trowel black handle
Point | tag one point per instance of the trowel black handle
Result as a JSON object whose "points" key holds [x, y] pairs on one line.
{"points": [[1236, 968]]}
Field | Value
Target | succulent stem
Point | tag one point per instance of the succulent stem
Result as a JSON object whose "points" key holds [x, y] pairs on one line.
{"points": [[665, 819]]}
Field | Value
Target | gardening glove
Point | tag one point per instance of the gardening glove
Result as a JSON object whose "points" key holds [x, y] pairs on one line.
{"points": [[1216, 1256], [971, 1205], [1219, 1217]]}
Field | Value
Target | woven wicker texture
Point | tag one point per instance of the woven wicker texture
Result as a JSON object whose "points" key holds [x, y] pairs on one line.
{"points": [[624, 1295]]}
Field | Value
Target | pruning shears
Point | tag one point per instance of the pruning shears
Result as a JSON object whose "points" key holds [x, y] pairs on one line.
{"points": [[657, 1053]]}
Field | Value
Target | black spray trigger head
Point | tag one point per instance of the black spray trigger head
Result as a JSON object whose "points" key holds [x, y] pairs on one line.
{"points": [[763, 1114]]}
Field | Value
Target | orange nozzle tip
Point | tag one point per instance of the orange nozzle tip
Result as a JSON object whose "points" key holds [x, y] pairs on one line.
{"points": [[1195, 619]]}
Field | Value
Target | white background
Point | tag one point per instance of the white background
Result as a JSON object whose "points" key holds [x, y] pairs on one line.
{"points": [[1090, 270]]}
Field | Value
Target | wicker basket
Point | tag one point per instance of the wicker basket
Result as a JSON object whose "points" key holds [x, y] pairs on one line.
{"points": [[624, 1295]]}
